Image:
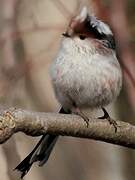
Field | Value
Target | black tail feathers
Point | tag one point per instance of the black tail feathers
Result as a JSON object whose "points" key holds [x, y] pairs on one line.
{"points": [[24, 166], [40, 153]]}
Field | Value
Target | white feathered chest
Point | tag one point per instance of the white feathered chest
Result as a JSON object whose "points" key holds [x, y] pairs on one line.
{"points": [[82, 76]]}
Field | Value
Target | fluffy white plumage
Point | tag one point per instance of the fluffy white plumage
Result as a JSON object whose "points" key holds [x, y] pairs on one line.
{"points": [[83, 14], [86, 72], [82, 75], [101, 26]]}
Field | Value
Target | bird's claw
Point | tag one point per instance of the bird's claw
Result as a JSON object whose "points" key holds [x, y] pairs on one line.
{"points": [[114, 123], [86, 120], [111, 121]]}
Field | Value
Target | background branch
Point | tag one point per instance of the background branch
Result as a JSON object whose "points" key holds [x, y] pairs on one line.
{"points": [[39, 123]]}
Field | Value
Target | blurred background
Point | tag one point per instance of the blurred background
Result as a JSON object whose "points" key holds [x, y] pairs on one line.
{"points": [[30, 33]]}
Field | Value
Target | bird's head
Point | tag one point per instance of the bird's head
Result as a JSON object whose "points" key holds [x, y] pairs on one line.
{"points": [[86, 29]]}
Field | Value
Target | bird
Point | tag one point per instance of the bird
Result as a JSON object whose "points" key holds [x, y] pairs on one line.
{"points": [[85, 73]]}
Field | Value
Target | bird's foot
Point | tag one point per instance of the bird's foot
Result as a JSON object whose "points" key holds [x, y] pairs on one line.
{"points": [[85, 118], [110, 120], [114, 123], [77, 111]]}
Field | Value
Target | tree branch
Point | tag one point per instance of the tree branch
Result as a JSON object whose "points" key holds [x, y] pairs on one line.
{"points": [[39, 123]]}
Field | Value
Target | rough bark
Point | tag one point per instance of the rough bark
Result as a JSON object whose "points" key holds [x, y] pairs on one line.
{"points": [[38, 123]]}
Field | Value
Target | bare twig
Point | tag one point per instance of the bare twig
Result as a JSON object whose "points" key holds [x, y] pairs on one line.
{"points": [[39, 123]]}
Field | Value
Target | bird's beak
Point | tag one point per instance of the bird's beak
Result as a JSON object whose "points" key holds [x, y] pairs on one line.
{"points": [[69, 33], [65, 34]]}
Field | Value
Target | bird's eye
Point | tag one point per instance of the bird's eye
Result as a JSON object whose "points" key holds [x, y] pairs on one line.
{"points": [[82, 37]]}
